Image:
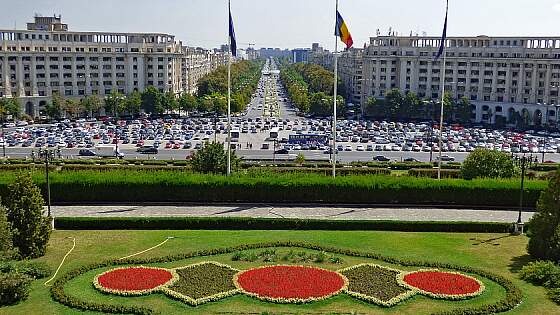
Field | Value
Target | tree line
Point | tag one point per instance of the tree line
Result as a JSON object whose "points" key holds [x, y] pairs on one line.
{"points": [[310, 88], [397, 106], [211, 97]]}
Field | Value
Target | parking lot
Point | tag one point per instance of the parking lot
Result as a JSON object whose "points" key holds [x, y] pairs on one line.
{"points": [[266, 127]]}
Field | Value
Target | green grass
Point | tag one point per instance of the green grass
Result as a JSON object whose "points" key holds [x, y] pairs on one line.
{"points": [[499, 253]]}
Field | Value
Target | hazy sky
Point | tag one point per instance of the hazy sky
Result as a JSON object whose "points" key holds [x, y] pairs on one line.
{"points": [[291, 23]]}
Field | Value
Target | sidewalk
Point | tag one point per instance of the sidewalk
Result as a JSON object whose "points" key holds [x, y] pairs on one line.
{"points": [[315, 212]]}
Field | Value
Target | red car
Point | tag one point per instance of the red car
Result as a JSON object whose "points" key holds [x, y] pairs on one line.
{"points": [[176, 146], [140, 143], [168, 145]]}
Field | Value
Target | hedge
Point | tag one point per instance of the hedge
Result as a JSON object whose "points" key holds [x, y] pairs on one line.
{"points": [[176, 186], [322, 171], [513, 295], [242, 223], [544, 167], [433, 173]]}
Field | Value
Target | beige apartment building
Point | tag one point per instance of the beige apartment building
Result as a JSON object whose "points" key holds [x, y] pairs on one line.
{"points": [[47, 58], [500, 75]]}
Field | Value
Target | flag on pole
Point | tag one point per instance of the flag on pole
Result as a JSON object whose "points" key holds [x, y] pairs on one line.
{"points": [[444, 35], [341, 30], [232, 41]]}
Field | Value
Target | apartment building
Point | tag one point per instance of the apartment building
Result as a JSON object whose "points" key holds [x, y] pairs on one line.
{"points": [[500, 75], [47, 58]]}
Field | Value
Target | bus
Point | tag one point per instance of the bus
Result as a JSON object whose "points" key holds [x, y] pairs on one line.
{"points": [[235, 134], [274, 133], [308, 139]]}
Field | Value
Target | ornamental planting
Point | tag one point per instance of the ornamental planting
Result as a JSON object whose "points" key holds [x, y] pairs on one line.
{"points": [[210, 281]]}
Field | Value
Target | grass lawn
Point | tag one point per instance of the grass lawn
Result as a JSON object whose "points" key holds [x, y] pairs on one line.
{"points": [[498, 253]]}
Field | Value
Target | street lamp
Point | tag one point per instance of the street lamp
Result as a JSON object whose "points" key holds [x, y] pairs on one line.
{"points": [[48, 154], [523, 162], [3, 137]]}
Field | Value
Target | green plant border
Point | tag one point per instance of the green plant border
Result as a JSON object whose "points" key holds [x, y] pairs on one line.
{"points": [[513, 296]]}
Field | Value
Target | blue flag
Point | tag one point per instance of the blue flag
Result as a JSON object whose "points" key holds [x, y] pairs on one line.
{"points": [[232, 41], [444, 35]]}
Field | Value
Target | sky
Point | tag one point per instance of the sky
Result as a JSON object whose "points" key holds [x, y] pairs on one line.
{"points": [[292, 23]]}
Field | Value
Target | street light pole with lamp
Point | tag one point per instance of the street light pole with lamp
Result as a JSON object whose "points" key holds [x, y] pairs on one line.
{"points": [[523, 162]]}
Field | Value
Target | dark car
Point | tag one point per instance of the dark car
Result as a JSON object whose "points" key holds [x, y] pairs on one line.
{"points": [[147, 150], [381, 158], [281, 151], [411, 160], [86, 152]]}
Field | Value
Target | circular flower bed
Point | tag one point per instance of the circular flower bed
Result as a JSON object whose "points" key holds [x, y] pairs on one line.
{"points": [[440, 284], [133, 280], [290, 284]]}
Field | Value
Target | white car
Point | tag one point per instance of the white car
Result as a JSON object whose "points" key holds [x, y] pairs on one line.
{"points": [[360, 148]]}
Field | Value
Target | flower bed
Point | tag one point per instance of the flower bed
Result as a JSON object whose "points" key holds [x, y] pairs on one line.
{"points": [[442, 285], [203, 282], [134, 280], [375, 284], [290, 284]]}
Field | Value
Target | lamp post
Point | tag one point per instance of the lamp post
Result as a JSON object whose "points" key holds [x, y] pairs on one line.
{"points": [[48, 155], [523, 162], [3, 136]]}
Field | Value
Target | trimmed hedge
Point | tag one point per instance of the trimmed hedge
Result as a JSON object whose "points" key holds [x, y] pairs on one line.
{"points": [[242, 223], [544, 167], [321, 171], [177, 186], [513, 295], [433, 173]]}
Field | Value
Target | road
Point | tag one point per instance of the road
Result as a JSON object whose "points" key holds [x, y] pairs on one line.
{"points": [[301, 212]]}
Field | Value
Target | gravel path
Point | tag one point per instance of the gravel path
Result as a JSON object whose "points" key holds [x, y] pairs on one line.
{"points": [[305, 212]]}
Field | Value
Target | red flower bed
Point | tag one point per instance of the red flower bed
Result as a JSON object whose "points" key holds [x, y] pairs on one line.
{"points": [[290, 283], [443, 283], [134, 279]]}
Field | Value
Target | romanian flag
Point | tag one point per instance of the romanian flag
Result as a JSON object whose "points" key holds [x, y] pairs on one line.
{"points": [[341, 31], [232, 40]]}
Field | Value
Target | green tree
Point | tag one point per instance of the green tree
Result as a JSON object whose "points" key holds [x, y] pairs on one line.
{"points": [[188, 102], [219, 103], [463, 111], [10, 106], [133, 103], [212, 158], [31, 230], [115, 102], [91, 104], [169, 102], [393, 103], [300, 159], [544, 235], [72, 107], [484, 163], [151, 99]]}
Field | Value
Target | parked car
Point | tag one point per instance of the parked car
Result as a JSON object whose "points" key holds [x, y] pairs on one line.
{"points": [[86, 152], [147, 150], [381, 158]]}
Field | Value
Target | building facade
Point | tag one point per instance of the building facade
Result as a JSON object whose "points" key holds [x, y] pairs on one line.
{"points": [[48, 59], [300, 55], [499, 75]]}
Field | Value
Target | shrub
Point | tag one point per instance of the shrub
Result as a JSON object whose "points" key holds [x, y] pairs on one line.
{"points": [[554, 295], [6, 244], [544, 237], [433, 173], [33, 269], [487, 163], [14, 287], [539, 272], [31, 230], [212, 158], [300, 159]]}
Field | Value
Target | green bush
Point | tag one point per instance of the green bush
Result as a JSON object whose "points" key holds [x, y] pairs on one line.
{"points": [[433, 173], [539, 272], [33, 269], [484, 163], [271, 171], [31, 230], [554, 295], [544, 237], [212, 158], [14, 287], [544, 167], [6, 244]]}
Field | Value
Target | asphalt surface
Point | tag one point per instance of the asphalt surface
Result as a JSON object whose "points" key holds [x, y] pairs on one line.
{"points": [[300, 212]]}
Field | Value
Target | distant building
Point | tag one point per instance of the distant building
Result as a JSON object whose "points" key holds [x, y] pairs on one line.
{"points": [[48, 59], [300, 55], [274, 53]]}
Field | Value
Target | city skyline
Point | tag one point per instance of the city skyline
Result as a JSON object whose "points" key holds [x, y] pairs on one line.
{"points": [[204, 23]]}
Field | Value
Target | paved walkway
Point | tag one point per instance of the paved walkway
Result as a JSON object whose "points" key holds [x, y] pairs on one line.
{"points": [[310, 212]]}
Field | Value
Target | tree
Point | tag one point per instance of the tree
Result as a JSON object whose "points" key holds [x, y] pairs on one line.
{"points": [[300, 159], [133, 103], [219, 103], [187, 102], [463, 111], [115, 102], [212, 158], [54, 108], [91, 104], [31, 230], [72, 107], [169, 102], [488, 164], [151, 99], [393, 102], [544, 235], [10, 106]]}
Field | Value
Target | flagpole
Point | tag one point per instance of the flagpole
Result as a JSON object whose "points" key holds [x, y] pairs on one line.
{"points": [[440, 144], [229, 100], [334, 151]]}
